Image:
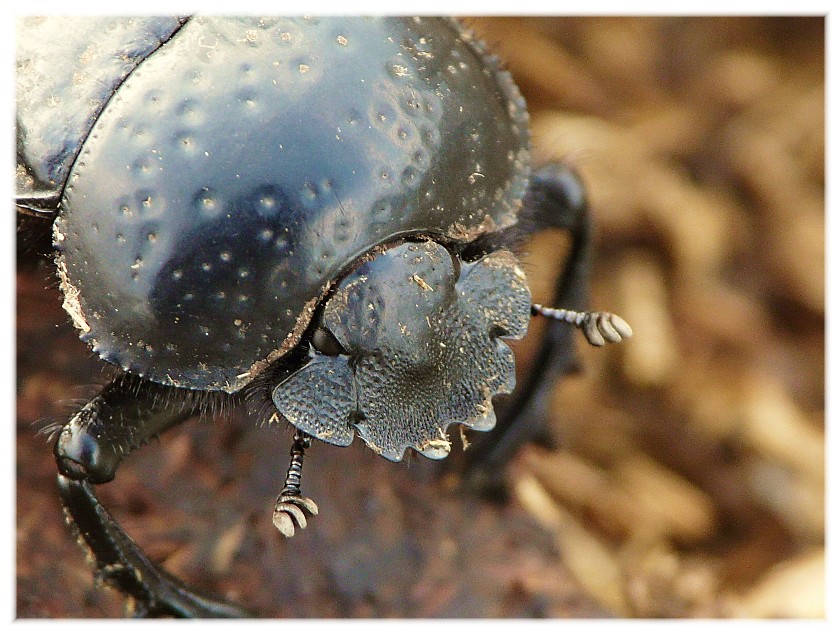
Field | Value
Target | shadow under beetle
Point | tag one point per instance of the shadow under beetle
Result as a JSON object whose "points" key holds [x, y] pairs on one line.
{"points": [[316, 214]]}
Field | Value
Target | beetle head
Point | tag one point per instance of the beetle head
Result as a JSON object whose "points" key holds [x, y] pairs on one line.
{"points": [[408, 344]]}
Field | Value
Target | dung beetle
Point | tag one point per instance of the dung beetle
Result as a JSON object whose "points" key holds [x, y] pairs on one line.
{"points": [[314, 214]]}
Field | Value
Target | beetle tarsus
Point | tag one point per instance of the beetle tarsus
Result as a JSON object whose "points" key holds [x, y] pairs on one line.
{"points": [[292, 509]]}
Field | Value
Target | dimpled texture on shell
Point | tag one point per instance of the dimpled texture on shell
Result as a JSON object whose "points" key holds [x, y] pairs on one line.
{"points": [[423, 351], [244, 166], [67, 70]]}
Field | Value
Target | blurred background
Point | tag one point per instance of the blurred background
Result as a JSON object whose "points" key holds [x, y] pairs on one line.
{"points": [[689, 474], [683, 472]]}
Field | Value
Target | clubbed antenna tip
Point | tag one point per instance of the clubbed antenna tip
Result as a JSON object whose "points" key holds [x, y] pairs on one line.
{"points": [[598, 327]]}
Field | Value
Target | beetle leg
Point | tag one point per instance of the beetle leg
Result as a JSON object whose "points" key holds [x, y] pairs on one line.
{"points": [[292, 508], [556, 199], [42, 206], [89, 448]]}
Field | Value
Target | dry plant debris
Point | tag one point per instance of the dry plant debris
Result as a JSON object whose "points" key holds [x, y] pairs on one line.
{"points": [[689, 474]]}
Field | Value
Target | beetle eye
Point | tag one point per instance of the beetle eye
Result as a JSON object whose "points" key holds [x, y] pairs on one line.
{"points": [[456, 264], [326, 343]]}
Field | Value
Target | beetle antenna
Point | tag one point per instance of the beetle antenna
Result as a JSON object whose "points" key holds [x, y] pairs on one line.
{"points": [[292, 508], [598, 327]]}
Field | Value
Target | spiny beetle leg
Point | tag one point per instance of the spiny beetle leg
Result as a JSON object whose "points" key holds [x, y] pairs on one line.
{"points": [[123, 417], [556, 199], [120, 563]]}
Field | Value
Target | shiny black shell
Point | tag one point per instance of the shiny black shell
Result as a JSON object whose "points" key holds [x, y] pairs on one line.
{"points": [[244, 164]]}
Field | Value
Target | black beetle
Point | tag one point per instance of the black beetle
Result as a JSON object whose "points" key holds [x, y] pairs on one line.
{"points": [[316, 213]]}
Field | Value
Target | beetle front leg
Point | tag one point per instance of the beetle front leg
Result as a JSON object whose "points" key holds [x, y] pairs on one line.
{"points": [[89, 448], [556, 199]]}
